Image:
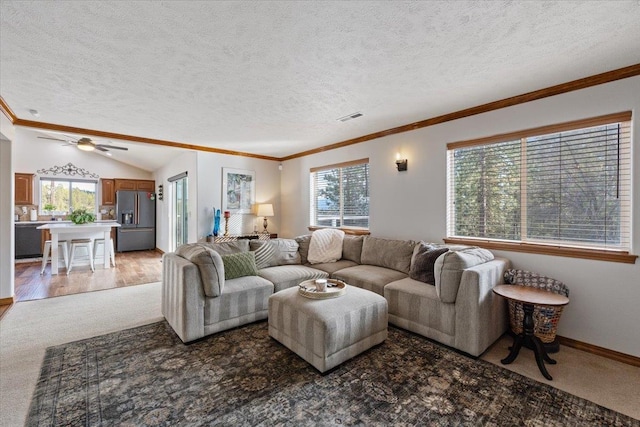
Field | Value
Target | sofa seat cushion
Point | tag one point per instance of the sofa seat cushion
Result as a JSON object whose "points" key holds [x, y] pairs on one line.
{"points": [[210, 266], [332, 267], [286, 276], [369, 277], [449, 267], [418, 306], [241, 297], [394, 254]]}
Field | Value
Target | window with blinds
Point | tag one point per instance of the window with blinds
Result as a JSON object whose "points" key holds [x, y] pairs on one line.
{"points": [[340, 195], [565, 185]]}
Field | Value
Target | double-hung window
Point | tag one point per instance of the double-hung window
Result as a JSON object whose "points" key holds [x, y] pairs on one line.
{"points": [[340, 195], [61, 196], [566, 185]]}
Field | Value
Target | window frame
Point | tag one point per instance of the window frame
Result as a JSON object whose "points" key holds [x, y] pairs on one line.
{"points": [[41, 210], [313, 213], [548, 248]]}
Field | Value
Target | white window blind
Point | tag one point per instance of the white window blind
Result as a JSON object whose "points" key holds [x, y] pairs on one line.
{"points": [[340, 195], [566, 185]]}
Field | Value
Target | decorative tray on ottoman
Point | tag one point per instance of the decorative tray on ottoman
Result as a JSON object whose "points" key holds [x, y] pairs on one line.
{"points": [[335, 288]]}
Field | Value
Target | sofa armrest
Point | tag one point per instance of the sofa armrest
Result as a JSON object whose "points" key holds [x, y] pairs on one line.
{"points": [[182, 297], [481, 316]]}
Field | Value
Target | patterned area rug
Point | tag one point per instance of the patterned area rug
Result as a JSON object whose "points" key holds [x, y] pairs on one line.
{"points": [[146, 376]]}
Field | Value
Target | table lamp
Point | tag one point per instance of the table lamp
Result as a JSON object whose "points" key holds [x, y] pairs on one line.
{"points": [[265, 210]]}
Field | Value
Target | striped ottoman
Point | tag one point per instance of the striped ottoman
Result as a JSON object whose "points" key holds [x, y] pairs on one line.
{"points": [[328, 332]]}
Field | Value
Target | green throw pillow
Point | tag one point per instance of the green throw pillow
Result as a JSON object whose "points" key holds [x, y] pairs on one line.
{"points": [[239, 265]]}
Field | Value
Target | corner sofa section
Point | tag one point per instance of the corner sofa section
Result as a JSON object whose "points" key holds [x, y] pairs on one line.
{"points": [[459, 309]]}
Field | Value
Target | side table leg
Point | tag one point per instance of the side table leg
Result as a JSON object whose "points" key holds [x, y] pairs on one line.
{"points": [[515, 349], [541, 356]]}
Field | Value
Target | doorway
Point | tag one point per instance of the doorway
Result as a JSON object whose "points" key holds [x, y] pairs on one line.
{"points": [[179, 210]]}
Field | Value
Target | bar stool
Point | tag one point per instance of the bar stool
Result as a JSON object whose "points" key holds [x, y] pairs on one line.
{"points": [[112, 255], [80, 243], [47, 253]]}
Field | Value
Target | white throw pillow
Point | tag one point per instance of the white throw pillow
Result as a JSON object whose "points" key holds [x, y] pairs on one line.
{"points": [[325, 246]]}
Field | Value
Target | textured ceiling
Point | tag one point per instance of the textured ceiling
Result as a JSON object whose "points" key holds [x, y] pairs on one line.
{"points": [[271, 78]]}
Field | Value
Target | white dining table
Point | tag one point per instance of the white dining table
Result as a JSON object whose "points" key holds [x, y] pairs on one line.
{"points": [[69, 231]]}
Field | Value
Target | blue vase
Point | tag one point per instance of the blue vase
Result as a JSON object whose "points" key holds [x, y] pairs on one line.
{"points": [[216, 223]]}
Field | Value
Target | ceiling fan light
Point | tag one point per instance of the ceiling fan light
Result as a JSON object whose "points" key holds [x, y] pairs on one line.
{"points": [[85, 147]]}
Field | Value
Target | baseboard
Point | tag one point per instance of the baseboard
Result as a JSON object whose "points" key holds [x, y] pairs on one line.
{"points": [[159, 251], [6, 301], [600, 351]]}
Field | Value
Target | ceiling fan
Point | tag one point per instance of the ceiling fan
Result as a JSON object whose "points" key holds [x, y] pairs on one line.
{"points": [[86, 144]]}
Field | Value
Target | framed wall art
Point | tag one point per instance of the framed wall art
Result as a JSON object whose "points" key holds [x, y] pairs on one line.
{"points": [[238, 190]]}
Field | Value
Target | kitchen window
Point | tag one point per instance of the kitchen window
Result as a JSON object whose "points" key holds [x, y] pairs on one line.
{"points": [[340, 195], [561, 186], [61, 196]]}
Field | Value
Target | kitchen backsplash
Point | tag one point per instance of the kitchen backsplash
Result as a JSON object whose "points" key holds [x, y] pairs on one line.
{"points": [[106, 212]]}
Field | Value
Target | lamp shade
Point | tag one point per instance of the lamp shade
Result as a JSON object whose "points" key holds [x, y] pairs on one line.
{"points": [[265, 209]]}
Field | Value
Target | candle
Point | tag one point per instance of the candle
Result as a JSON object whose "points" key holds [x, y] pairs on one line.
{"points": [[227, 214]]}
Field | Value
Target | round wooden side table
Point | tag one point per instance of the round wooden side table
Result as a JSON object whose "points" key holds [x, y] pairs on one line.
{"points": [[530, 297]]}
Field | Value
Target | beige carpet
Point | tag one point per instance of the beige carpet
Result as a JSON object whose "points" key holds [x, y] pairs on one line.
{"points": [[32, 326]]}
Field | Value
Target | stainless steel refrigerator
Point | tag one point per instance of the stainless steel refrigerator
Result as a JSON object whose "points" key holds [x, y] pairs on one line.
{"points": [[137, 217]]}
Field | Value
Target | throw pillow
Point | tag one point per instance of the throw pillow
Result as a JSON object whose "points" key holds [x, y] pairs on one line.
{"points": [[325, 246], [423, 261], [352, 248], [303, 247], [239, 265], [286, 252], [265, 253]]}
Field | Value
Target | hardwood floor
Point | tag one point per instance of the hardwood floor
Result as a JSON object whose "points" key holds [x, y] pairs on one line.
{"points": [[132, 268]]}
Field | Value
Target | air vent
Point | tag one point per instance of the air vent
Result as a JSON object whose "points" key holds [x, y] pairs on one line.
{"points": [[350, 117]]}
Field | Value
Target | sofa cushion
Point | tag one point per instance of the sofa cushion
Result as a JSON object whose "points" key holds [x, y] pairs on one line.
{"points": [[332, 267], [286, 252], [417, 308], [226, 248], [352, 248], [394, 254], [287, 276], [265, 253], [325, 246], [422, 262], [303, 247], [449, 267], [369, 277], [239, 265], [210, 266], [244, 300]]}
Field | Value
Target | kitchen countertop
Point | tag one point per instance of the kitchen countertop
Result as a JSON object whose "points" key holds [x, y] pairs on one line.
{"points": [[18, 223]]}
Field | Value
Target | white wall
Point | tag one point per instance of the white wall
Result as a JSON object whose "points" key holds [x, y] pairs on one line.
{"points": [[6, 216], [205, 192], [32, 154], [604, 295], [186, 162], [267, 176]]}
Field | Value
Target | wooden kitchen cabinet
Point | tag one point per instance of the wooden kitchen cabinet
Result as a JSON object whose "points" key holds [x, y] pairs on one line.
{"points": [[135, 184], [108, 192], [23, 189]]}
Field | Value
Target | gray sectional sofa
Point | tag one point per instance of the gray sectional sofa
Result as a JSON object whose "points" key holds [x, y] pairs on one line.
{"points": [[209, 288]]}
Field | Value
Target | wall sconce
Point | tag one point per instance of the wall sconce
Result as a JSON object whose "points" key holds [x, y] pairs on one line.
{"points": [[160, 193], [401, 164]]}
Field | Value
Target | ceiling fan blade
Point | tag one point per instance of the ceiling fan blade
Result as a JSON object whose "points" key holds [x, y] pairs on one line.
{"points": [[98, 147], [115, 147], [55, 139]]}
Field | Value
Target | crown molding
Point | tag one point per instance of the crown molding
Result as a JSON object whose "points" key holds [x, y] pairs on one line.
{"points": [[6, 110], [583, 83]]}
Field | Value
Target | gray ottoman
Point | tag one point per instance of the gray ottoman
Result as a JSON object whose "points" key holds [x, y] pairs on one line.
{"points": [[328, 332]]}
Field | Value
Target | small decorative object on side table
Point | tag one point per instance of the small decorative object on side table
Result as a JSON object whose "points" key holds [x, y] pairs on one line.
{"points": [[227, 215], [530, 297]]}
